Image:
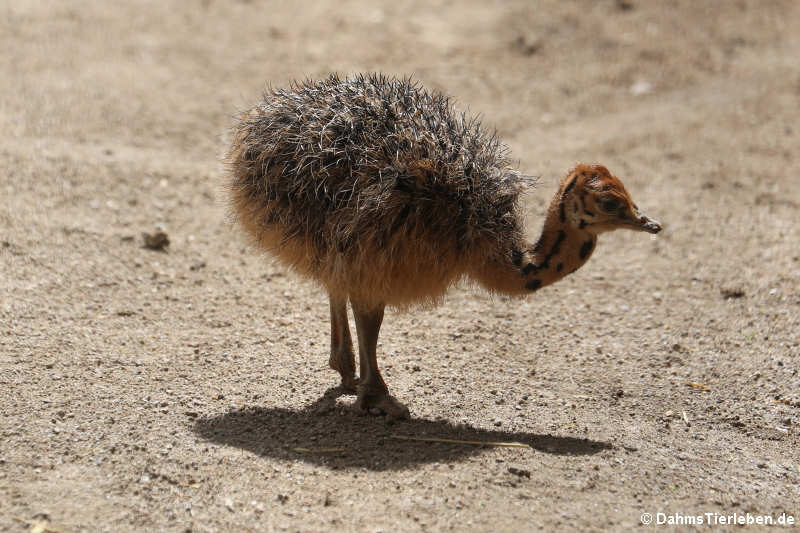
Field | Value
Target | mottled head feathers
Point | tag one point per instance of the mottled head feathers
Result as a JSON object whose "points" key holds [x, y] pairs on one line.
{"points": [[595, 200]]}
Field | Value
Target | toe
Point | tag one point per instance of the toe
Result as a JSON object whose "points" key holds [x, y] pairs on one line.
{"points": [[383, 404], [379, 402], [393, 408]]}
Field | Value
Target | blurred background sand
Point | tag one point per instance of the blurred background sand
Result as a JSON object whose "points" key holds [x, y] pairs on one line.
{"points": [[150, 391]]}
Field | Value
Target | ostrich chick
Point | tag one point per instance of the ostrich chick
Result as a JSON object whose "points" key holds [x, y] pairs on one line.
{"points": [[386, 195]]}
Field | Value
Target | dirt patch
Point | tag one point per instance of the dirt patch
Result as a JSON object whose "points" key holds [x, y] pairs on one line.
{"points": [[189, 390]]}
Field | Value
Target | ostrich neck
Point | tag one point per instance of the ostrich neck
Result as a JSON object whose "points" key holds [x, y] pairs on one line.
{"points": [[526, 267], [560, 250]]}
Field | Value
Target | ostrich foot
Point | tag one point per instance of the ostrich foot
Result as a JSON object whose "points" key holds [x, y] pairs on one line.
{"points": [[382, 401]]}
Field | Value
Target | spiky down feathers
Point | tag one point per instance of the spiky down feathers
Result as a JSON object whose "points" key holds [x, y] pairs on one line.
{"points": [[374, 186]]}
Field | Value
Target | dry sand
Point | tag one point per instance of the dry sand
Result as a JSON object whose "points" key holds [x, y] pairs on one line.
{"points": [[168, 391]]}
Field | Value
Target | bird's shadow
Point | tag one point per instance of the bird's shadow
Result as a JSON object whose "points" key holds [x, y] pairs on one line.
{"points": [[328, 434]]}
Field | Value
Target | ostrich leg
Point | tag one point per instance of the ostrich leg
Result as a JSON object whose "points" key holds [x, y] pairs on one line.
{"points": [[342, 359], [372, 391]]}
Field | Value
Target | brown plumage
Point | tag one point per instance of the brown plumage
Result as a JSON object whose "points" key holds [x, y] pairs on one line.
{"points": [[373, 186], [386, 195]]}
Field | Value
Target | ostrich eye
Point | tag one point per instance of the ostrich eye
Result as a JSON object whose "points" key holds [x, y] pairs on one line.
{"points": [[609, 205]]}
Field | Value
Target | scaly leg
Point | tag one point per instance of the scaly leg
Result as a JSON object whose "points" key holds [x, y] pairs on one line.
{"points": [[372, 391], [342, 359]]}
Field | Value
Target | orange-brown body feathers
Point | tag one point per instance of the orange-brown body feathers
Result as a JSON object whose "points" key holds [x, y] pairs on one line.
{"points": [[374, 187]]}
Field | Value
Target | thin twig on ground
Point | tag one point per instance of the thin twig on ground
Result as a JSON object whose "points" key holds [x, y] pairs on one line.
{"points": [[472, 442]]}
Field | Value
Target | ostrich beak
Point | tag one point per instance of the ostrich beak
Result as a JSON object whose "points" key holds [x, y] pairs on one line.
{"points": [[645, 223]]}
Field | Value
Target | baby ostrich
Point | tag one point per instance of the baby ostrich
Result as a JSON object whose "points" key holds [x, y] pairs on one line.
{"points": [[386, 195]]}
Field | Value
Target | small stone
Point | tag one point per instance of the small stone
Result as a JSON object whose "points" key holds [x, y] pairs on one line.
{"points": [[641, 87], [731, 293], [669, 414], [229, 504], [498, 422], [526, 45], [157, 241], [519, 472]]}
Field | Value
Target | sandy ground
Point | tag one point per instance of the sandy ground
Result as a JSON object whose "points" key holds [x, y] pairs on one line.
{"points": [[169, 391]]}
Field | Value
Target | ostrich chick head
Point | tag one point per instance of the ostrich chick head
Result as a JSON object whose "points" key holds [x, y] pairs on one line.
{"points": [[596, 201]]}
